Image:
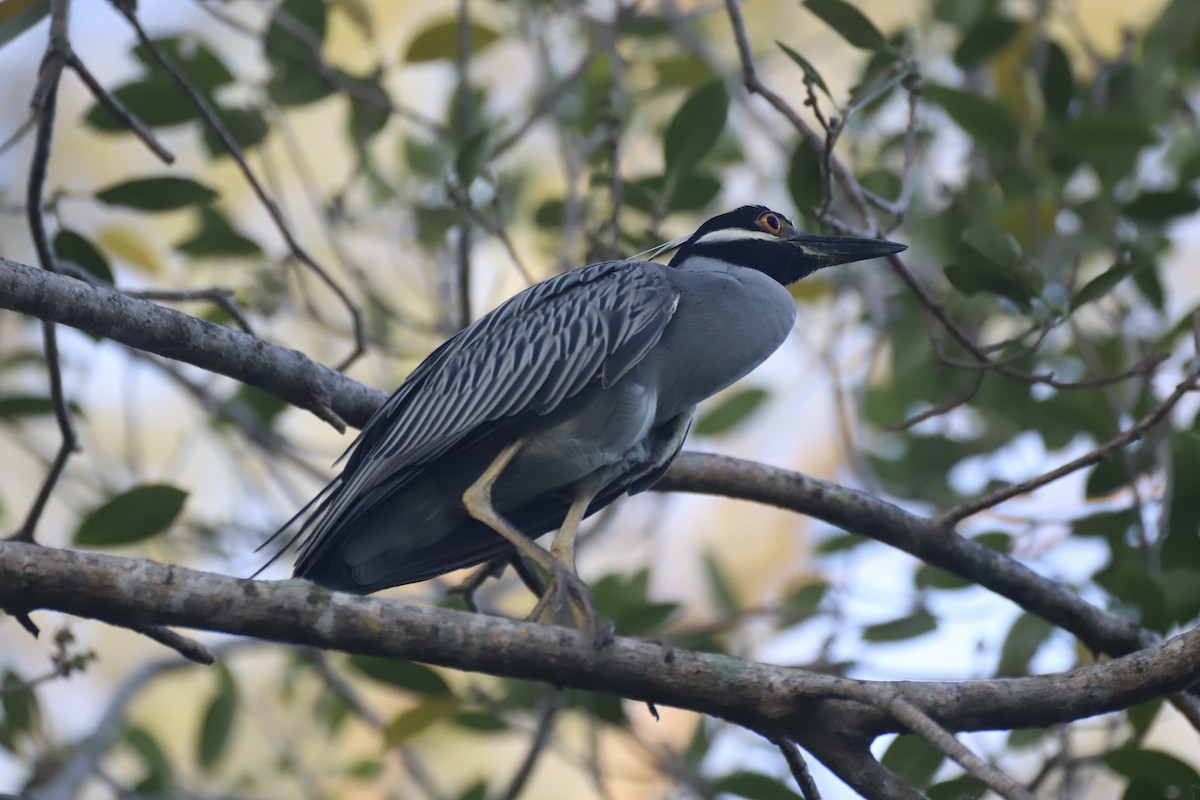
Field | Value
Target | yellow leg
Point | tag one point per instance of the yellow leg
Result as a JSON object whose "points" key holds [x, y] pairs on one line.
{"points": [[559, 562], [478, 502], [564, 579]]}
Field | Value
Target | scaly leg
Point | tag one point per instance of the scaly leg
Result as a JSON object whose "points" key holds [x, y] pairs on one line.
{"points": [[564, 578], [478, 502]]}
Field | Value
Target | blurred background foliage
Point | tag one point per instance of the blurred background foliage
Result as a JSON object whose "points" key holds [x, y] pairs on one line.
{"points": [[1041, 158]]}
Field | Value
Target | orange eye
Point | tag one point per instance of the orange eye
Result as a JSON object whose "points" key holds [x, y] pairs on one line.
{"points": [[770, 223]]}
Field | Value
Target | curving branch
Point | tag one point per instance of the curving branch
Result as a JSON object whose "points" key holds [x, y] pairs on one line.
{"points": [[779, 702], [148, 326]]}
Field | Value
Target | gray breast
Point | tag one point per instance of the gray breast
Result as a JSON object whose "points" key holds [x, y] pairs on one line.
{"points": [[729, 320]]}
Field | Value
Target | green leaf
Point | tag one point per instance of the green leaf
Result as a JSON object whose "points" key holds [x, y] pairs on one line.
{"points": [[1107, 477], [19, 702], [158, 778], [803, 602], [550, 214], [1026, 737], [1094, 135], [849, 22], [695, 128], [972, 281], [480, 722], [70, 246], [265, 406], [730, 410], [909, 627], [1161, 206], [370, 107], [839, 542], [296, 32], [928, 577], [964, 787], [1058, 84], [217, 725], [413, 722], [990, 34], [365, 769], [15, 406], [245, 125], [1142, 716], [18, 16], [476, 791], [217, 238], [1103, 283], [718, 586], [297, 84], [166, 193], [473, 156], [810, 72], [137, 514], [685, 71], [913, 759], [1024, 639], [753, 786], [990, 263], [156, 101], [1163, 771], [877, 84], [805, 179], [992, 244], [204, 68], [407, 675], [985, 119], [440, 40]]}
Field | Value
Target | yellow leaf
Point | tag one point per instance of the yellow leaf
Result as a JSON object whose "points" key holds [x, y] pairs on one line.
{"points": [[412, 722], [1016, 83], [810, 291], [125, 245]]}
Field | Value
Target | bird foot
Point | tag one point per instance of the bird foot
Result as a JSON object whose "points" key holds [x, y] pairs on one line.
{"points": [[566, 588]]}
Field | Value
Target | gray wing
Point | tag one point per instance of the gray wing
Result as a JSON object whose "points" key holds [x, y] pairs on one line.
{"points": [[527, 356]]}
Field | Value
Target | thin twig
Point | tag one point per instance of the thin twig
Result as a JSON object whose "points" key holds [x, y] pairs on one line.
{"points": [[19, 133], [118, 110], [799, 768], [550, 705], [213, 121], [922, 725], [221, 296], [465, 114], [1135, 432], [45, 101], [941, 408], [189, 648]]}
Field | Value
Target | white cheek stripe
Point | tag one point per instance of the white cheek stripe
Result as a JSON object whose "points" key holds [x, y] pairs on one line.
{"points": [[736, 235]]}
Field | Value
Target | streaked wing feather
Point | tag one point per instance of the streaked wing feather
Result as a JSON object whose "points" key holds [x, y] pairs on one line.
{"points": [[527, 356]]}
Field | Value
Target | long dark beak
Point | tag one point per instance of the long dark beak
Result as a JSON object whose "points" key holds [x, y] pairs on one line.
{"points": [[830, 250]]}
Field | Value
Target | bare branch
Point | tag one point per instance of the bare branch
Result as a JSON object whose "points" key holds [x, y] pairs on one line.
{"points": [[551, 703], [105, 312], [209, 115], [1132, 434], [45, 102], [118, 110], [799, 768], [779, 701]]}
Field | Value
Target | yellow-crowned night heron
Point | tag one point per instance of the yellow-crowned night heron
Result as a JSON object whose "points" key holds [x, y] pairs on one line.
{"points": [[572, 393]]}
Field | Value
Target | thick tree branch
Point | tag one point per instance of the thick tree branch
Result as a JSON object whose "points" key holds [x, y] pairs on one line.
{"points": [[156, 329], [778, 701], [934, 544]]}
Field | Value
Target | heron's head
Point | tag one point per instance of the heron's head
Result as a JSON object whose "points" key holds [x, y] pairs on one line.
{"points": [[758, 238]]}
